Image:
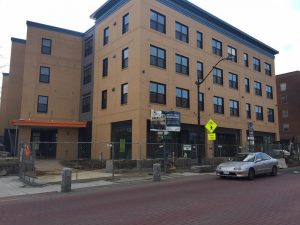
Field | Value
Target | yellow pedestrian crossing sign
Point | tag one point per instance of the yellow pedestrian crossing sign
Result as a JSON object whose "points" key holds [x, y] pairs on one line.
{"points": [[211, 126]]}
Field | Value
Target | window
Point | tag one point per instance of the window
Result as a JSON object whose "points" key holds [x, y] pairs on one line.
{"points": [[269, 92], [234, 108], [256, 64], [42, 104], [285, 113], [157, 93], [182, 32], [282, 86], [232, 54], [86, 103], [157, 57], [286, 127], [44, 74], [199, 70], [201, 101], [199, 40], [105, 67], [125, 58], [259, 112], [104, 99], [268, 69], [182, 64], [218, 76], [246, 60], [87, 74], [124, 94], [247, 85], [248, 111], [157, 21], [257, 88], [233, 81], [217, 47], [284, 100], [271, 115], [106, 36], [125, 23], [218, 105], [46, 46], [88, 46], [182, 98]]}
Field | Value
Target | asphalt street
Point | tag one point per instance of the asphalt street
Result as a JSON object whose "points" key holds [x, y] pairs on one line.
{"points": [[192, 200]]}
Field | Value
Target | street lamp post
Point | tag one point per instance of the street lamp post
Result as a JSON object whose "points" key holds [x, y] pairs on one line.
{"points": [[198, 83]]}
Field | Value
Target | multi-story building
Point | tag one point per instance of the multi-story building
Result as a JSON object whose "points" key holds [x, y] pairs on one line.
{"points": [[288, 106], [142, 55]]}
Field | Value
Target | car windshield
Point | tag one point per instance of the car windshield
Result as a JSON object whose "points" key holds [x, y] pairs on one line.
{"points": [[244, 157]]}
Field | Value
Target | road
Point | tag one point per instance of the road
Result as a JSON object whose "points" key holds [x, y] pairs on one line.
{"points": [[195, 200]]}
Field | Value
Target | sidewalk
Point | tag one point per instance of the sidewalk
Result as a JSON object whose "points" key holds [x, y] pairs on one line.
{"points": [[13, 186]]}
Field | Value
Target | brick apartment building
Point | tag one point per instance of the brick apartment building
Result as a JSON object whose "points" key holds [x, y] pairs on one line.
{"points": [[289, 106], [100, 86]]}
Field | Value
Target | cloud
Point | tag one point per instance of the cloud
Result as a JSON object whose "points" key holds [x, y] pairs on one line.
{"points": [[295, 4]]}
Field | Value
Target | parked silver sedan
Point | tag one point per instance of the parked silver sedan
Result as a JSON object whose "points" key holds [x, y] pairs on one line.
{"points": [[248, 165]]}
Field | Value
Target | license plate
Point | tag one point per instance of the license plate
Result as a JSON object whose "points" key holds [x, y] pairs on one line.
{"points": [[226, 172]]}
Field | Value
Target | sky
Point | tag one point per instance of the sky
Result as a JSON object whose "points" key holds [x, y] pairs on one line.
{"points": [[274, 22]]}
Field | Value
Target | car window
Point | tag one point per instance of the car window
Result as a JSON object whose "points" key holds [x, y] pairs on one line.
{"points": [[244, 157], [265, 156], [259, 156]]}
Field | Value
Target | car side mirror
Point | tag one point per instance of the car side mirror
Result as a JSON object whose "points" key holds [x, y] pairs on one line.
{"points": [[258, 160]]}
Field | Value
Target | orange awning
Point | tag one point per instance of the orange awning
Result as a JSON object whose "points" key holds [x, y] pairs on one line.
{"points": [[49, 123]]}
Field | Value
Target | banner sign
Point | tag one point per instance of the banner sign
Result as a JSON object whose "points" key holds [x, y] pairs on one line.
{"points": [[165, 121]]}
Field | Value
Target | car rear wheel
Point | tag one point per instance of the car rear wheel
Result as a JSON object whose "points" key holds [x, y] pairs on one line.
{"points": [[251, 174], [274, 171]]}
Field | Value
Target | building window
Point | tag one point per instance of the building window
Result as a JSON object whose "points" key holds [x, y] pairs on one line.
{"points": [[271, 115], [218, 76], [284, 99], [157, 57], [182, 64], [105, 67], [285, 113], [256, 64], [87, 74], [86, 103], [44, 74], [199, 70], [246, 60], [248, 111], [259, 112], [42, 104], [232, 54], [286, 127], [124, 94], [157, 21], [201, 101], [106, 36], [257, 88], [125, 23], [104, 99], [269, 92], [233, 81], [157, 93], [199, 40], [234, 108], [125, 58], [268, 70], [247, 85], [282, 87], [182, 98], [218, 105], [182, 32], [46, 46], [88, 46], [217, 47]]}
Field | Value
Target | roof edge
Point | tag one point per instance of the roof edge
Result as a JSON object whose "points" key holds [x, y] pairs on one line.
{"points": [[5, 74], [18, 40], [53, 28]]}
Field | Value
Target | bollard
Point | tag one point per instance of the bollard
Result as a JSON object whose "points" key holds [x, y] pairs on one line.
{"points": [[66, 180], [156, 172]]}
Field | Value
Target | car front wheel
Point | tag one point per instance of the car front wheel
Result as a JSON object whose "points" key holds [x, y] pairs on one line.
{"points": [[251, 174]]}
